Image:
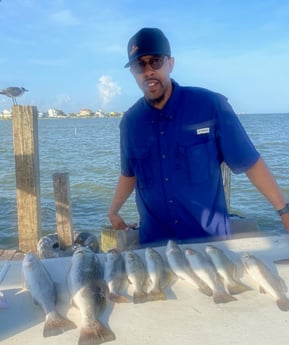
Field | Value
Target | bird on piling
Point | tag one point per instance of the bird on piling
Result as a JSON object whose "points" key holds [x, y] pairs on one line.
{"points": [[13, 92]]}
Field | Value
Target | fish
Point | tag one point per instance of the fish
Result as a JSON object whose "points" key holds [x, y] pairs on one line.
{"points": [[114, 275], [226, 269], [86, 239], [206, 271], [48, 246], [179, 265], [87, 290], [43, 291], [157, 274], [136, 274], [267, 280]]}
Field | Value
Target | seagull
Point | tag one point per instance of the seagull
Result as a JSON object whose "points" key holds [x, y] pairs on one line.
{"points": [[13, 92]]}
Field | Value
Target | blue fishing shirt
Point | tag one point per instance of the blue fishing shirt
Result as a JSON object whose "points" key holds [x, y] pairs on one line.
{"points": [[175, 154]]}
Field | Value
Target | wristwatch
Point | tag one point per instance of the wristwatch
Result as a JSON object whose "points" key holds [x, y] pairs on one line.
{"points": [[283, 210]]}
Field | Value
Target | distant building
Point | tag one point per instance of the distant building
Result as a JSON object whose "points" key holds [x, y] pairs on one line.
{"points": [[6, 114], [52, 112], [85, 113]]}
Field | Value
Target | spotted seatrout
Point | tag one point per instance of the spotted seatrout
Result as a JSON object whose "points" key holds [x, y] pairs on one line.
{"points": [[87, 289], [206, 271], [179, 265], [137, 275], [227, 269], [42, 289], [114, 275], [267, 281], [157, 274]]}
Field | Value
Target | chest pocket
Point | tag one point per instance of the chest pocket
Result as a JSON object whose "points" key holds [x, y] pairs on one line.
{"points": [[197, 155], [140, 160]]}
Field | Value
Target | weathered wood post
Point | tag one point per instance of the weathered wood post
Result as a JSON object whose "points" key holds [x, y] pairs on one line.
{"points": [[26, 152], [63, 213]]}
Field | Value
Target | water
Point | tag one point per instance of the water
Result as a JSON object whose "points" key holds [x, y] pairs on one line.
{"points": [[88, 149]]}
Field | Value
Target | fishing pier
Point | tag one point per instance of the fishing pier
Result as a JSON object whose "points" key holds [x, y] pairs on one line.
{"points": [[26, 156]]}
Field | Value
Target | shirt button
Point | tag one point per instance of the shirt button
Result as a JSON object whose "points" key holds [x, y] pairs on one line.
{"points": [[171, 201], [176, 221], [162, 133], [166, 179], [164, 156]]}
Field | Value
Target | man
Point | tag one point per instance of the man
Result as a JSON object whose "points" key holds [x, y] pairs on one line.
{"points": [[172, 143]]}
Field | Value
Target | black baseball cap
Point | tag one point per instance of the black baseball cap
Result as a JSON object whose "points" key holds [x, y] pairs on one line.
{"points": [[147, 41]]}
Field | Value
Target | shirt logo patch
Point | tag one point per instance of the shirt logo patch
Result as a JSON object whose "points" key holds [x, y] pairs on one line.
{"points": [[205, 130]]}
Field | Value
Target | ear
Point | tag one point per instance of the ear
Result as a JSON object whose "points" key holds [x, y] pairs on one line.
{"points": [[171, 64]]}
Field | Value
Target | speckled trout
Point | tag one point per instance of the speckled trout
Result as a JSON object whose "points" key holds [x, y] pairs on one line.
{"points": [[42, 289], [114, 275], [137, 275], [267, 280], [87, 289], [227, 269], [157, 273], [179, 265], [206, 271]]}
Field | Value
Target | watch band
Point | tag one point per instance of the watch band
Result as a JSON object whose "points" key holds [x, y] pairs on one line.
{"points": [[283, 210]]}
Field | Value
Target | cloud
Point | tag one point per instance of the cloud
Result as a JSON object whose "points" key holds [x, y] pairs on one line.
{"points": [[108, 89]]}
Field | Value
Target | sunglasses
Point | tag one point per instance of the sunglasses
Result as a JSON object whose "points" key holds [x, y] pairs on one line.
{"points": [[155, 63]]}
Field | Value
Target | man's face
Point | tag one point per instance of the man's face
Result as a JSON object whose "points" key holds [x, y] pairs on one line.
{"points": [[152, 74]]}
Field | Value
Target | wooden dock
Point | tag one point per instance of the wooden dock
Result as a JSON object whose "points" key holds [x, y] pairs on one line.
{"points": [[11, 254]]}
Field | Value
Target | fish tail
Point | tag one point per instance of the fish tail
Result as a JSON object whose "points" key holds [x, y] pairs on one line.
{"points": [[206, 290], [157, 295], [56, 324], [94, 334], [139, 297], [223, 297], [237, 287], [283, 304], [116, 298]]}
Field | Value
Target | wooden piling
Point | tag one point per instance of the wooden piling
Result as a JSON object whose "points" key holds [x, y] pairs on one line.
{"points": [[26, 152], [63, 209]]}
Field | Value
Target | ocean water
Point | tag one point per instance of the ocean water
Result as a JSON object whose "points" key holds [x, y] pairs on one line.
{"points": [[88, 149]]}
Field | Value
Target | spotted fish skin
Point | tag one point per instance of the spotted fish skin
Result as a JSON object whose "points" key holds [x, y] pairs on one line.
{"points": [[42, 289], [226, 269], [137, 275], [206, 271], [267, 281], [157, 274], [179, 265]]}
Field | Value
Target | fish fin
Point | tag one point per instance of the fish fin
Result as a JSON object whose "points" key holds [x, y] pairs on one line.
{"points": [[157, 295], [3, 301], [283, 304], [140, 297], [56, 324], [223, 297], [206, 291], [262, 290], [117, 298], [237, 287], [94, 334]]}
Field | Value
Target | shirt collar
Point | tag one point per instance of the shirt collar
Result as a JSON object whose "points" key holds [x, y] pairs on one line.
{"points": [[169, 110]]}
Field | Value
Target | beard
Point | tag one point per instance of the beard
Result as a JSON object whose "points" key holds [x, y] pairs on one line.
{"points": [[155, 101]]}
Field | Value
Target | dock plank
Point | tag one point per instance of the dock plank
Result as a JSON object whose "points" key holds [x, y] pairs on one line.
{"points": [[11, 254]]}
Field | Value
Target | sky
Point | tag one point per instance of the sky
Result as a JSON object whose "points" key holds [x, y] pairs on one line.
{"points": [[70, 55]]}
